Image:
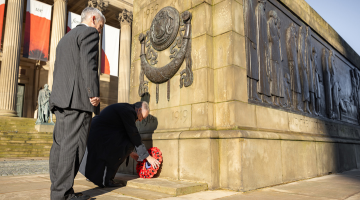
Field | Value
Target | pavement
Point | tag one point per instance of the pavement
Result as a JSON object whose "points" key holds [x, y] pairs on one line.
{"points": [[37, 186]]}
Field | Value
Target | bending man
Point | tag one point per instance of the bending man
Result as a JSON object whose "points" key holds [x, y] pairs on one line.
{"points": [[112, 138]]}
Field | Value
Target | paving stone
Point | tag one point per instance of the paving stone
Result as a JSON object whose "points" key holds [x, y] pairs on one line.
{"points": [[22, 167], [319, 189], [271, 195], [205, 195]]}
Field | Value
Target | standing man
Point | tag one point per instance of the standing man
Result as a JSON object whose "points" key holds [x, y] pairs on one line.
{"points": [[74, 97]]}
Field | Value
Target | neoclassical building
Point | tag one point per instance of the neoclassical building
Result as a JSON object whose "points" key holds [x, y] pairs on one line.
{"points": [[22, 78]]}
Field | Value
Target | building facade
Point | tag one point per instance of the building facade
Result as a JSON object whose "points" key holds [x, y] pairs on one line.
{"points": [[21, 78]]}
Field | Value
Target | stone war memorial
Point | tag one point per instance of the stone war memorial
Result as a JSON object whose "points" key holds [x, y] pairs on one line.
{"points": [[244, 94]]}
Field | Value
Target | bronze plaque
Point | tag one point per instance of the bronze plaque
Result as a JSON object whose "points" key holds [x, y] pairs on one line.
{"points": [[164, 28]]}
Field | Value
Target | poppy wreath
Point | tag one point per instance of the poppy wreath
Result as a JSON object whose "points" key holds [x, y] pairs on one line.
{"points": [[144, 169]]}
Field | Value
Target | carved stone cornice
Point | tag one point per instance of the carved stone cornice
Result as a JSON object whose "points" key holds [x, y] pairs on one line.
{"points": [[125, 17], [99, 4]]}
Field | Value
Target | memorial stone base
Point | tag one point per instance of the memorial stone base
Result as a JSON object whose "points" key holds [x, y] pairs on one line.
{"points": [[212, 131]]}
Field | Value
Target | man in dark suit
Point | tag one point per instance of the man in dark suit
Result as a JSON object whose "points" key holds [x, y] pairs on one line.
{"points": [[74, 97], [112, 138]]}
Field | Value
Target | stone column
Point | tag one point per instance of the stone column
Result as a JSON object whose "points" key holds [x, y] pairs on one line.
{"points": [[11, 57], [58, 28], [125, 18]]}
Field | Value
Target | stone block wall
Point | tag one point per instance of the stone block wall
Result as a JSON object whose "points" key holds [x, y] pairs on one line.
{"points": [[210, 131]]}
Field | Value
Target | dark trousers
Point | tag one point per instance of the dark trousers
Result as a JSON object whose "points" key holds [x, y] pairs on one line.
{"points": [[112, 168], [69, 144]]}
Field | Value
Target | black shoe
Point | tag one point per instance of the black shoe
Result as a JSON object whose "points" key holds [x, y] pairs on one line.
{"points": [[80, 196], [111, 183]]}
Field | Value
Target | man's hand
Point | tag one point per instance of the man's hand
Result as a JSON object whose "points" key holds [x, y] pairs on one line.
{"points": [[153, 162], [94, 101], [134, 156]]}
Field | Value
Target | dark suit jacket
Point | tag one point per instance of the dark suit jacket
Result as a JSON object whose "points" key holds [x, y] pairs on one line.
{"points": [[113, 135], [76, 70]]}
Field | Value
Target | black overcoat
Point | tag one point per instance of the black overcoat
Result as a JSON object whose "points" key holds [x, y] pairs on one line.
{"points": [[113, 135]]}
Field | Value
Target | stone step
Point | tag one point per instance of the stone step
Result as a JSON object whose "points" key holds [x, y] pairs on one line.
{"points": [[10, 142], [27, 134], [17, 138], [21, 145], [149, 189], [24, 147], [9, 150], [24, 152], [23, 155], [171, 187]]}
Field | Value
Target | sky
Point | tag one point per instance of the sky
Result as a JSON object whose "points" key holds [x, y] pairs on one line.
{"points": [[343, 16]]}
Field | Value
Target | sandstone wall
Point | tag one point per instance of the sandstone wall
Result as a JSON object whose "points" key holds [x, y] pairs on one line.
{"points": [[211, 132]]}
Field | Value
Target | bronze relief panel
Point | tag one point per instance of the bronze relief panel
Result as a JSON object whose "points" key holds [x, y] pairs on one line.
{"points": [[289, 67]]}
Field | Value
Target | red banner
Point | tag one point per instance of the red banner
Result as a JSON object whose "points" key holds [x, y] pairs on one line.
{"points": [[2, 10], [37, 30]]}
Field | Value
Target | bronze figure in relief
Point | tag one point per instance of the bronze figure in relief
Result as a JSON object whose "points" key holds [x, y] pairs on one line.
{"points": [[287, 89], [316, 81], [311, 74], [251, 51], [327, 83], [262, 46], [303, 69], [275, 58], [335, 87], [292, 50]]}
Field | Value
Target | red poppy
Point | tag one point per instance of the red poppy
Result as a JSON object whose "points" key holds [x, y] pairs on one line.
{"points": [[144, 169]]}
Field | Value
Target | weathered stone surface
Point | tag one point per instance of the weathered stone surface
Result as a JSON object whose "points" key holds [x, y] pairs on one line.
{"points": [[327, 128], [135, 50], [137, 26], [135, 71], [228, 16], [234, 114], [202, 52], [170, 153], [347, 156], [230, 153], [230, 84], [327, 158], [202, 88], [204, 168], [298, 160], [173, 118], [197, 2], [201, 20], [268, 118], [229, 49], [259, 157], [202, 116], [163, 101], [300, 123]]}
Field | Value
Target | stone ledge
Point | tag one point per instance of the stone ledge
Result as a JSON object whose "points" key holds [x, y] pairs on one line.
{"points": [[249, 134]]}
